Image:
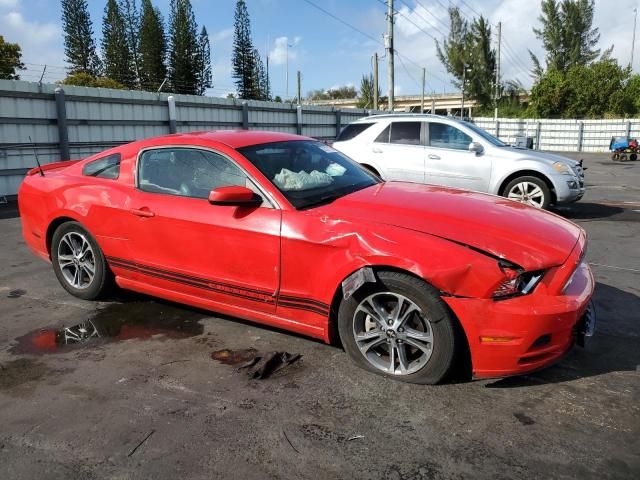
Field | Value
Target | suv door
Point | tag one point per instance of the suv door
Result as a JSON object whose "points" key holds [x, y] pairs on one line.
{"points": [[399, 150], [449, 161], [181, 242]]}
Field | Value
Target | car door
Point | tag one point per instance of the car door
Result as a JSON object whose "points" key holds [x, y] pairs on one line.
{"points": [[449, 161], [181, 242], [399, 150]]}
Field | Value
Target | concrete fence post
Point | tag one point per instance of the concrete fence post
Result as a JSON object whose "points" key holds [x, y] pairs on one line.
{"points": [[628, 129], [497, 128], [63, 132], [245, 115], [538, 134], [171, 103], [299, 119], [580, 135], [338, 122]]}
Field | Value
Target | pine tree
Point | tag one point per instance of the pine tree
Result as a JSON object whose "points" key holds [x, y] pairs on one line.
{"points": [[243, 58], [453, 53], [567, 35], [260, 74], [79, 46], [153, 47], [183, 48], [131, 14], [204, 62], [115, 48]]}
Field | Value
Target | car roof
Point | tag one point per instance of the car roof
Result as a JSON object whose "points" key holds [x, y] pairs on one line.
{"points": [[405, 116], [231, 138]]}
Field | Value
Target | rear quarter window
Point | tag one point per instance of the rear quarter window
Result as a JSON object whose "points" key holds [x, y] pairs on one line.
{"points": [[352, 130], [105, 167]]}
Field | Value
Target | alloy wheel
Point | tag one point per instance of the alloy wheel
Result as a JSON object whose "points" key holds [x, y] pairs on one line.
{"points": [[392, 333], [76, 260], [527, 192]]}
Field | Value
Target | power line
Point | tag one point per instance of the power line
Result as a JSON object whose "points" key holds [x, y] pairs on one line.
{"points": [[415, 11], [446, 26]]}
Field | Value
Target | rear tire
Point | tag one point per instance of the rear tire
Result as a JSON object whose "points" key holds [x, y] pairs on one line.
{"points": [[415, 343], [529, 190], [633, 157], [79, 263]]}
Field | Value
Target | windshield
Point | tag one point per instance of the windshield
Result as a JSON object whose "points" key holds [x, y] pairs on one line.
{"points": [[308, 173], [486, 135]]}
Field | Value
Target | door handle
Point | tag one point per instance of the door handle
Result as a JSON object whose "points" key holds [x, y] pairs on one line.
{"points": [[434, 157], [142, 212], [376, 150]]}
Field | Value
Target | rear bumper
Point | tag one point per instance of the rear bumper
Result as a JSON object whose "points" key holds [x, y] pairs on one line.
{"points": [[527, 333]]}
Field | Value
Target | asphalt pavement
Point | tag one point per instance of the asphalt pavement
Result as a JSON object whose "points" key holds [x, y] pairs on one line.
{"points": [[161, 394]]}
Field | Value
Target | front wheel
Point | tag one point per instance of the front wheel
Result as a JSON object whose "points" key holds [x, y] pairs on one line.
{"points": [[78, 262], [529, 190], [400, 328]]}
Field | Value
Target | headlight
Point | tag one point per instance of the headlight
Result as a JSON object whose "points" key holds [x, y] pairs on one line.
{"points": [[516, 282], [562, 168]]}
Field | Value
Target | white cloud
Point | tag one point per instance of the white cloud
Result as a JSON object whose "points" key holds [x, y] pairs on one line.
{"points": [[220, 36], [41, 43], [278, 54], [9, 4]]}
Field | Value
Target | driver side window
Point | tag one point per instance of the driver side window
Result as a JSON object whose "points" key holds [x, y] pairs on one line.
{"points": [[446, 136], [187, 172]]}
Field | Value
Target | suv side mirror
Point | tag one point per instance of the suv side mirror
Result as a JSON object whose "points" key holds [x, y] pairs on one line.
{"points": [[234, 195], [476, 148]]}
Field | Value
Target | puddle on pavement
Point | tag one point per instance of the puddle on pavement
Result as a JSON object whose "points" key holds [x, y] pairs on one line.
{"points": [[118, 321]]}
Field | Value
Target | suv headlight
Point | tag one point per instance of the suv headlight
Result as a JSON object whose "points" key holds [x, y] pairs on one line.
{"points": [[516, 282], [563, 168]]}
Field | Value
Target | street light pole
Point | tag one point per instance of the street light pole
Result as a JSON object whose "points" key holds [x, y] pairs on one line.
{"points": [[633, 41]]}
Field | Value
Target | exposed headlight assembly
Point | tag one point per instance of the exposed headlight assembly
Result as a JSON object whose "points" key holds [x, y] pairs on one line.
{"points": [[562, 168], [517, 282]]}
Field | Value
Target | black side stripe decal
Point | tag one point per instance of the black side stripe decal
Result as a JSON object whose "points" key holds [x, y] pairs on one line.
{"points": [[262, 296]]}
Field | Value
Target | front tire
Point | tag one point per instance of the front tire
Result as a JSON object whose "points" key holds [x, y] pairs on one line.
{"points": [[529, 190], [400, 328], [79, 263]]}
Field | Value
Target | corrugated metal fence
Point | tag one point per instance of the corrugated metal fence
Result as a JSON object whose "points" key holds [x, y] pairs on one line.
{"points": [[75, 122], [562, 135]]}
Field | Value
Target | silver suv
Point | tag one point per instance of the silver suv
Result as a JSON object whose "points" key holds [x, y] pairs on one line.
{"points": [[446, 151]]}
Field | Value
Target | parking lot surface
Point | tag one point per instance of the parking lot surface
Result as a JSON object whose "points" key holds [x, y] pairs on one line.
{"points": [[149, 401]]}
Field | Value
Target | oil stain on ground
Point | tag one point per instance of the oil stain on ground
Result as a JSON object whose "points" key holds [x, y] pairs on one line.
{"points": [[20, 371], [118, 321]]}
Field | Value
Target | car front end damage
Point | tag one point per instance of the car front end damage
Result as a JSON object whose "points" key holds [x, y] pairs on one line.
{"points": [[531, 329]]}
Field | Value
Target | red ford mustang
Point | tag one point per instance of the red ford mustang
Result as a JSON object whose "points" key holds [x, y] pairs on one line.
{"points": [[284, 230]]}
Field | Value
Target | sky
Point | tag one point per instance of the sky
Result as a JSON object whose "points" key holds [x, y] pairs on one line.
{"points": [[328, 52]]}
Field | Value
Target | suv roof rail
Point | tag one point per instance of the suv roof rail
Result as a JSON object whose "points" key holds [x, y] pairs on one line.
{"points": [[429, 115]]}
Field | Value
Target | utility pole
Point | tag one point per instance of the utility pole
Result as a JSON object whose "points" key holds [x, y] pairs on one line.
{"points": [[286, 75], [299, 88], [633, 42], [424, 73], [498, 68], [375, 81], [389, 48], [464, 77]]}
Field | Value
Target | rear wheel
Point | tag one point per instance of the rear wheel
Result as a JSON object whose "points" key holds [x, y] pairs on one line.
{"points": [[78, 262], [530, 190], [399, 328], [633, 157]]}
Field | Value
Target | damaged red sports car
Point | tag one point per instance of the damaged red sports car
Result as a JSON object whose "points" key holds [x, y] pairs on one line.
{"points": [[284, 230]]}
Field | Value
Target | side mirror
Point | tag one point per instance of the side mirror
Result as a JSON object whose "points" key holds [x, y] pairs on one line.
{"points": [[234, 195], [476, 148]]}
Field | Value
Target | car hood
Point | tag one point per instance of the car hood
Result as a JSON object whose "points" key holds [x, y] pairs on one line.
{"points": [[531, 238], [528, 154]]}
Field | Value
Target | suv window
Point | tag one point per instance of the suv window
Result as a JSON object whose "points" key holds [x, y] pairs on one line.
{"points": [[352, 130], [446, 136], [384, 135], [105, 167], [187, 172], [405, 133]]}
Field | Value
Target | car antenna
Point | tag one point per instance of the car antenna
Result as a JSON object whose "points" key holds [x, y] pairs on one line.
{"points": [[35, 152]]}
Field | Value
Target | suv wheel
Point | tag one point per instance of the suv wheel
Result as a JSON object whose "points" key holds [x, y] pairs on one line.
{"points": [[529, 190]]}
